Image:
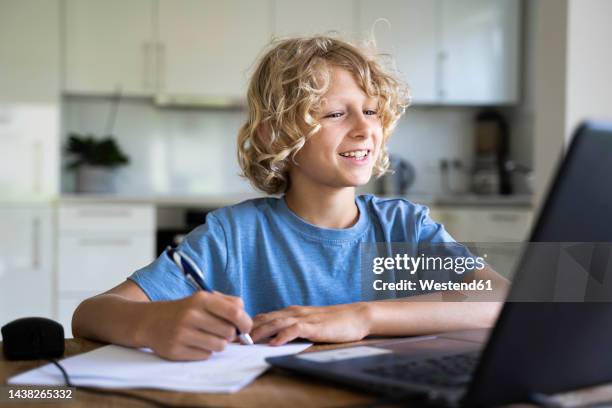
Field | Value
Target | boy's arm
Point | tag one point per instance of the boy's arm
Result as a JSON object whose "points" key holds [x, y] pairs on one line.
{"points": [[185, 329], [416, 315], [441, 311], [114, 316]]}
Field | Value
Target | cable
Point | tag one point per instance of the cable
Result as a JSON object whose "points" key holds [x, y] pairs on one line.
{"points": [[64, 373], [99, 391]]}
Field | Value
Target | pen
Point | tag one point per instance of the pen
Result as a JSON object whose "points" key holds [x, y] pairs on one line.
{"points": [[196, 277]]}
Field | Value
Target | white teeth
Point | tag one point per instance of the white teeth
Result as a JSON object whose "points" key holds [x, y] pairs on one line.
{"points": [[355, 153]]}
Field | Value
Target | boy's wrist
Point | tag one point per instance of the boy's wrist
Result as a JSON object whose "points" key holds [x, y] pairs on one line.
{"points": [[141, 334], [366, 315], [381, 317]]}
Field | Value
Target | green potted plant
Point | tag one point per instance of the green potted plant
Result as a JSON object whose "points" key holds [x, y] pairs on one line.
{"points": [[95, 162]]}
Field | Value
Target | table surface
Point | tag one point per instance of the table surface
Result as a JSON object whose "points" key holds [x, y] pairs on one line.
{"points": [[274, 388]]}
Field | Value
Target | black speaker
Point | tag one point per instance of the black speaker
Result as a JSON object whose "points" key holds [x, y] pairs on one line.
{"points": [[31, 338]]}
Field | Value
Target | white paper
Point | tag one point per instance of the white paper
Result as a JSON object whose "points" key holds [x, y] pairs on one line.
{"points": [[120, 367]]}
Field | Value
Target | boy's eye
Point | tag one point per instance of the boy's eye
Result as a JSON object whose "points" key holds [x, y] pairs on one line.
{"points": [[334, 115], [370, 112]]}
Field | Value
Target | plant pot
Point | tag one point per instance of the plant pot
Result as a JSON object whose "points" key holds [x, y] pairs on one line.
{"points": [[95, 179]]}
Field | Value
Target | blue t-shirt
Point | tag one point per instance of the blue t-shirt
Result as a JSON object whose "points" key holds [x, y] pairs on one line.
{"points": [[263, 252]]}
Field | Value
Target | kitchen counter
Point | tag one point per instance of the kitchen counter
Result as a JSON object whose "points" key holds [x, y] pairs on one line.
{"points": [[215, 201], [473, 200], [206, 201]]}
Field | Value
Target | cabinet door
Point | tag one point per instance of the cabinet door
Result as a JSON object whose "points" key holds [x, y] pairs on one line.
{"points": [[409, 35], [480, 42], [29, 157], [505, 225], [29, 98], [101, 244], [459, 223], [109, 44], [100, 261], [25, 262], [298, 18], [486, 225], [29, 51], [207, 47]]}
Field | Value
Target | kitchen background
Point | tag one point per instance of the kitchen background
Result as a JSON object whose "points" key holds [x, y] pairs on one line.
{"points": [[167, 79]]}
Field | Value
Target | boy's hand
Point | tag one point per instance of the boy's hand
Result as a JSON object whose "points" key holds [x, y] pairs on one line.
{"points": [[193, 327], [332, 324]]}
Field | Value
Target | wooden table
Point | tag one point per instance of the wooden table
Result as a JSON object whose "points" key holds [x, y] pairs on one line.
{"points": [[274, 388]]}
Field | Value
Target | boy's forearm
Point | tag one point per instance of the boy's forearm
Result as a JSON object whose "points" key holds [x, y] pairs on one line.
{"points": [[113, 319], [427, 316]]}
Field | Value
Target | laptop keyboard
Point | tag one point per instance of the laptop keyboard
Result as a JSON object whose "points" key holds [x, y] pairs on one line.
{"points": [[447, 371]]}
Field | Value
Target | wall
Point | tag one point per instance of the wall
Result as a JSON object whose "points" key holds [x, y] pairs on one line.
{"points": [[171, 151], [549, 89], [589, 61], [181, 151], [573, 69]]}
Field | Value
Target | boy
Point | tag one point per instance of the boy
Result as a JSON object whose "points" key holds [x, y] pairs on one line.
{"points": [[320, 114]]}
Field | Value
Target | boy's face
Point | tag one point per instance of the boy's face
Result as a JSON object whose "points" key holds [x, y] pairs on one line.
{"points": [[343, 153]]}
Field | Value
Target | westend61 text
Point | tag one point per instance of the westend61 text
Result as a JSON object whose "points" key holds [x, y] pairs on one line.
{"points": [[432, 285]]}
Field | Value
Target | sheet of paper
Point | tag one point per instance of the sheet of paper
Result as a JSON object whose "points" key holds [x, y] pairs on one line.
{"points": [[120, 367]]}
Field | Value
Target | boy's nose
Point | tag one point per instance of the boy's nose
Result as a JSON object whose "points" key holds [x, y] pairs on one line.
{"points": [[361, 128]]}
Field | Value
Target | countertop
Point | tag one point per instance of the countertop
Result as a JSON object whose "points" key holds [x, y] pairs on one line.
{"points": [[214, 201]]}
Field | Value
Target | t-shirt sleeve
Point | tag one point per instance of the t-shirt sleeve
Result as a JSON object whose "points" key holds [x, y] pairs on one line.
{"points": [[430, 231], [206, 245]]}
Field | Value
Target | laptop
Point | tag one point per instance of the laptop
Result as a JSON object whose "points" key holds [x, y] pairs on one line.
{"points": [[537, 346]]}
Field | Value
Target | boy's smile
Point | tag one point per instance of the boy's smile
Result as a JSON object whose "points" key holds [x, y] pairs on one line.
{"points": [[357, 156], [343, 152]]}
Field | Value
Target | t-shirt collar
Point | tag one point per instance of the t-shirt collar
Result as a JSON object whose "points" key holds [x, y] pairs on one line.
{"points": [[329, 234]]}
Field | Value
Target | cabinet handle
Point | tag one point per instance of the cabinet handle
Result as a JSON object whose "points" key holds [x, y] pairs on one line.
{"points": [[118, 242], [38, 168], [146, 65], [105, 213], [440, 68], [35, 243], [161, 65]]}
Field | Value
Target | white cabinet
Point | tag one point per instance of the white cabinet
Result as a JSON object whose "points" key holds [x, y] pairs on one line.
{"points": [[409, 33], [495, 233], [165, 48], [29, 98], [110, 44], [480, 46], [207, 47], [25, 261], [99, 246], [485, 225], [450, 52], [298, 18], [29, 150], [29, 51]]}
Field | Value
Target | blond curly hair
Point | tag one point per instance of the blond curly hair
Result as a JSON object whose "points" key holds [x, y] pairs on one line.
{"points": [[285, 94]]}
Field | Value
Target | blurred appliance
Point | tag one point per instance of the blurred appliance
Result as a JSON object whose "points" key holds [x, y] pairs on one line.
{"points": [[491, 174], [398, 180], [174, 236]]}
